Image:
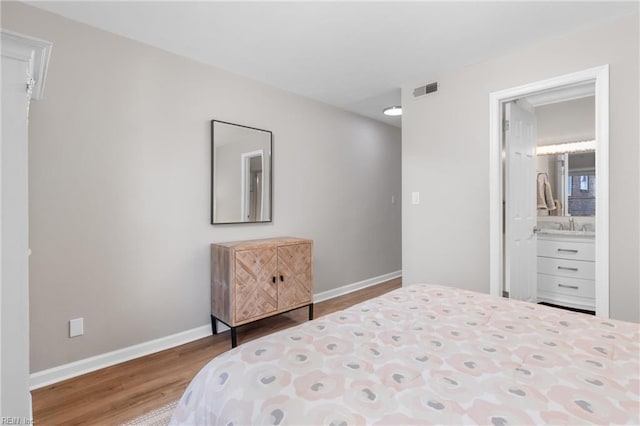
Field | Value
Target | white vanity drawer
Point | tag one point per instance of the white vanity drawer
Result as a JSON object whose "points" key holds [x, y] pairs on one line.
{"points": [[568, 286], [567, 268], [567, 249]]}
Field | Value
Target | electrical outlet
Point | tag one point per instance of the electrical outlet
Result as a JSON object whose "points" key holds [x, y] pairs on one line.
{"points": [[76, 327]]}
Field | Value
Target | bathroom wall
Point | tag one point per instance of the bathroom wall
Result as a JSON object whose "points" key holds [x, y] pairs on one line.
{"points": [[445, 157], [568, 121]]}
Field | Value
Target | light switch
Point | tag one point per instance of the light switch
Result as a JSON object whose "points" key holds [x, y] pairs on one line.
{"points": [[415, 198]]}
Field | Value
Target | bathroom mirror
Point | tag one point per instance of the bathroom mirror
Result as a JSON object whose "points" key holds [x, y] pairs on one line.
{"points": [[572, 178], [240, 173], [566, 151]]}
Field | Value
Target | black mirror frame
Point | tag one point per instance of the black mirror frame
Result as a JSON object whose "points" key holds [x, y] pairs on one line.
{"points": [[270, 172]]}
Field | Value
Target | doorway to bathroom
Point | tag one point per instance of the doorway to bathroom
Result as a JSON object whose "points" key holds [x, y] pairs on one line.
{"points": [[549, 238]]}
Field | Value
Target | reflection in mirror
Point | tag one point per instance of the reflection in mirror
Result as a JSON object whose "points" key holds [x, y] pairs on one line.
{"points": [[572, 178], [240, 173], [581, 184], [566, 151]]}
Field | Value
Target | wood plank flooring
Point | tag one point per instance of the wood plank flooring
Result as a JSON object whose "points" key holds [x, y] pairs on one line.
{"points": [[122, 392]]}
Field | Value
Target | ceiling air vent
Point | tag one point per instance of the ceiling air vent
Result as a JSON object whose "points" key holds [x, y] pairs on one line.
{"points": [[425, 90]]}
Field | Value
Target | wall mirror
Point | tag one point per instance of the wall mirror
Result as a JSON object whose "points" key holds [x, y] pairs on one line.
{"points": [[572, 175], [240, 173], [566, 150]]}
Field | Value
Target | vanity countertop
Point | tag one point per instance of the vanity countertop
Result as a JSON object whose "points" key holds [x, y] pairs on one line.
{"points": [[567, 233]]}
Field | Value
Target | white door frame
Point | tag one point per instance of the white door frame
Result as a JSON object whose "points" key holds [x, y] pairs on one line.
{"points": [[600, 76], [24, 68], [244, 177]]}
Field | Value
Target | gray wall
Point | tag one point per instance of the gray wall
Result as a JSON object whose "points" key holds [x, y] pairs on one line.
{"points": [[445, 156], [119, 188], [570, 121], [228, 185]]}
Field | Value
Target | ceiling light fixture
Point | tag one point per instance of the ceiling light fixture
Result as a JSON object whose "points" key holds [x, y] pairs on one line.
{"points": [[584, 146], [393, 111]]}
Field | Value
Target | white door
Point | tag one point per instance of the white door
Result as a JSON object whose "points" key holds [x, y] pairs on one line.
{"points": [[520, 204]]}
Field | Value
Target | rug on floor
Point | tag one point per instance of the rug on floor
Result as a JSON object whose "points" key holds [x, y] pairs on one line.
{"points": [[158, 417]]}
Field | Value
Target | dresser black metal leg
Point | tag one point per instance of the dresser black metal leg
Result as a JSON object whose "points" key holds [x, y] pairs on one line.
{"points": [[234, 337], [214, 325]]}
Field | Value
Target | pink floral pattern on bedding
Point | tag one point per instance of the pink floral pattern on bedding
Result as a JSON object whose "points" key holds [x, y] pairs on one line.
{"points": [[427, 354]]}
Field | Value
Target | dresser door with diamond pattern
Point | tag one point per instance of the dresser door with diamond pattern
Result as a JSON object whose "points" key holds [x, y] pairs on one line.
{"points": [[256, 293], [294, 280]]}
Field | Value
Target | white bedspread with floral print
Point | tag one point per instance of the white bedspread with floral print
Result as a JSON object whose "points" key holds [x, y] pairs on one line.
{"points": [[427, 354]]}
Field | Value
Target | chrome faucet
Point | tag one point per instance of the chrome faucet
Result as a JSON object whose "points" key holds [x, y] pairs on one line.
{"points": [[572, 224]]}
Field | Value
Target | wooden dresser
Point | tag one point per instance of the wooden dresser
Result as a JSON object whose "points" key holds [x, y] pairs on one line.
{"points": [[256, 279]]}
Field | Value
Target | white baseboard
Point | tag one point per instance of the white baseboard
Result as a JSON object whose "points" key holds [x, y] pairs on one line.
{"points": [[63, 372], [350, 288], [87, 365]]}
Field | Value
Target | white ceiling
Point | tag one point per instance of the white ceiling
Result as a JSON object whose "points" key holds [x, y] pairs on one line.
{"points": [[354, 55]]}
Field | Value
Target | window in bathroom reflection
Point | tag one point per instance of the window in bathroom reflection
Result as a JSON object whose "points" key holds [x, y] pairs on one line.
{"points": [[582, 195], [584, 183]]}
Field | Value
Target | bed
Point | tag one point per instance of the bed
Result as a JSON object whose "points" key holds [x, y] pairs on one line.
{"points": [[427, 354]]}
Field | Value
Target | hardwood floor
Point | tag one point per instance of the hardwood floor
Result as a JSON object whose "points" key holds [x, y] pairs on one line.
{"points": [[122, 392]]}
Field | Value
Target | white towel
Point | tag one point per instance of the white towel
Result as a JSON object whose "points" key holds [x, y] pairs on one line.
{"points": [[542, 205], [548, 197]]}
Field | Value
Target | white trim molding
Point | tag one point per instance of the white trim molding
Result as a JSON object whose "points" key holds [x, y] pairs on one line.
{"points": [[350, 288], [600, 76], [30, 49], [87, 365]]}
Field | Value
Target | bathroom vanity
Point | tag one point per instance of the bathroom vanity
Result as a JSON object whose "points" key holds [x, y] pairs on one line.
{"points": [[566, 268]]}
